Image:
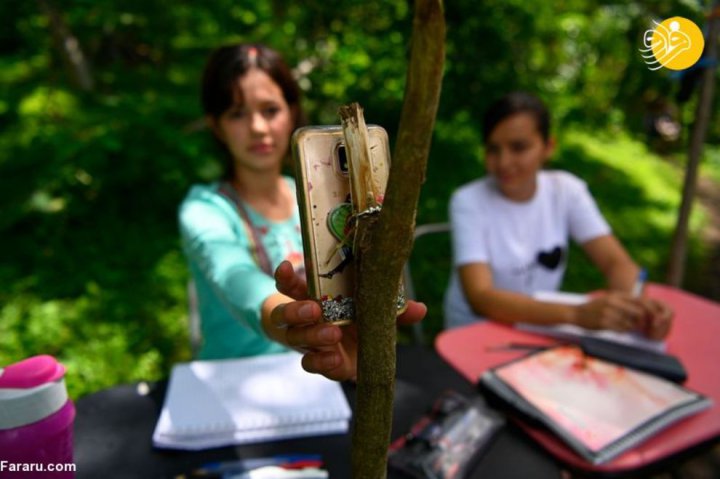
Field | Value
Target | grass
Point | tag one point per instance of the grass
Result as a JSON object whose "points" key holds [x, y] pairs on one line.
{"points": [[710, 165]]}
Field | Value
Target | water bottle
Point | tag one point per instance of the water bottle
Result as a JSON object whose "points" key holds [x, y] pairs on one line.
{"points": [[36, 421]]}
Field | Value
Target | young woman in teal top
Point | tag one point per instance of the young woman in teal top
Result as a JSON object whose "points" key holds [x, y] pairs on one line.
{"points": [[238, 232], [230, 285]]}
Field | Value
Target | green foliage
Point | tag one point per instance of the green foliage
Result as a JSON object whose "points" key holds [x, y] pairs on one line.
{"points": [[90, 180], [638, 192], [711, 164]]}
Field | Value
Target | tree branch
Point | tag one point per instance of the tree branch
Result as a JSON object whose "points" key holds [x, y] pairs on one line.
{"points": [[383, 247], [69, 47], [678, 250]]}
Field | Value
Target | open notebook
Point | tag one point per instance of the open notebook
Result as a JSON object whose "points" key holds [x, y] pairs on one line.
{"points": [[598, 408], [246, 400], [572, 333]]}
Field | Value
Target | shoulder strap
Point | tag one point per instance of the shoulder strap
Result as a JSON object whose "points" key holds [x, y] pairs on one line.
{"points": [[256, 247]]}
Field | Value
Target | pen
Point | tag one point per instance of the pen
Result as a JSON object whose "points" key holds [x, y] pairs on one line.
{"points": [[639, 283], [645, 324]]}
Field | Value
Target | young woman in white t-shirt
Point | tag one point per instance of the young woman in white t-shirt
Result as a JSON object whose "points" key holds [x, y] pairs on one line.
{"points": [[511, 230]]}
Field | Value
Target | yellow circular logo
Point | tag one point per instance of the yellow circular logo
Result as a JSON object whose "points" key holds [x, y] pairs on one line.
{"points": [[676, 43]]}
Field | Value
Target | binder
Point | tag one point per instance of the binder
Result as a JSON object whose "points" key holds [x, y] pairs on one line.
{"points": [[599, 409], [248, 400]]}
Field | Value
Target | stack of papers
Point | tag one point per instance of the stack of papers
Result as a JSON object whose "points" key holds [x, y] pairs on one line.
{"points": [[247, 400]]}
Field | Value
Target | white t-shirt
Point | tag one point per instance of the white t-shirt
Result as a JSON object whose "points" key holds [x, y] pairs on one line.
{"points": [[524, 243]]}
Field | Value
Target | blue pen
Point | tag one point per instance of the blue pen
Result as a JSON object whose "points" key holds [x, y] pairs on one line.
{"points": [[639, 283]]}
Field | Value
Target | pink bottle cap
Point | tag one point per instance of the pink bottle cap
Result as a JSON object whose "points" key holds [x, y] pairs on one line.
{"points": [[31, 372], [30, 391]]}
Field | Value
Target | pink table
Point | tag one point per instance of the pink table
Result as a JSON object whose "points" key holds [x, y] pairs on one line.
{"points": [[695, 339]]}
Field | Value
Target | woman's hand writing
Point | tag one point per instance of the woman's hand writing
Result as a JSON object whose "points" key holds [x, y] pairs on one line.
{"points": [[623, 312]]}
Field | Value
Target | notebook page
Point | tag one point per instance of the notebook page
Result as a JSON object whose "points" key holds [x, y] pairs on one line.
{"points": [[247, 398]]}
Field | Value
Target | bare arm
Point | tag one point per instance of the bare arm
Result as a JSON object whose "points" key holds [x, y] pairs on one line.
{"points": [[508, 306], [621, 272], [613, 261], [618, 311]]}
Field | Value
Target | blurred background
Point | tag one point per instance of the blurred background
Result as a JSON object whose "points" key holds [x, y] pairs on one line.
{"points": [[101, 135]]}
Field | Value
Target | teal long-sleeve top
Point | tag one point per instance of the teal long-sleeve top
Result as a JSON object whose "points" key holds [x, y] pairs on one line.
{"points": [[231, 287]]}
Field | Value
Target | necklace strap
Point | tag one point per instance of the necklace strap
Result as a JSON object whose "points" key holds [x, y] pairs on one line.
{"points": [[256, 247]]}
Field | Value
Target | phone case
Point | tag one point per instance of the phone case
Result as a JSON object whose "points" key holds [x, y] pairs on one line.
{"points": [[323, 189]]}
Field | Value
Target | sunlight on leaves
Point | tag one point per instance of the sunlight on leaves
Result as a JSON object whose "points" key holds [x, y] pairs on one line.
{"points": [[44, 102]]}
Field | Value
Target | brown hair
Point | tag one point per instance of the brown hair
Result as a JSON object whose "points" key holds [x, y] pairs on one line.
{"points": [[228, 63], [513, 103]]}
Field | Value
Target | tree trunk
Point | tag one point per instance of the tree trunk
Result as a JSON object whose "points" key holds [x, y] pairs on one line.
{"points": [[69, 47], [676, 269], [383, 244]]}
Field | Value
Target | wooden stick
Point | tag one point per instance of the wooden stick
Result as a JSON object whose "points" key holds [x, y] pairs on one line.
{"points": [[383, 243]]}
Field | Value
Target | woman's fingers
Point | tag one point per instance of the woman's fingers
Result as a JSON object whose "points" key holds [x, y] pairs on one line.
{"points": [[619, 321], [622, 312], [616, 311], [295, 313], [628, 307], [328, 349], [330, 364], [289, 283], [415, 312], [313, 337], [660, 320]]}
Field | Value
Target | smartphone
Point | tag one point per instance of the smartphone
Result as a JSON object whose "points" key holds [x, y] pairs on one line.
{"points": [[323, 190]]}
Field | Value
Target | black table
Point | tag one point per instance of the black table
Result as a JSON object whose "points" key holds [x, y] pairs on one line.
{"points": [[113, 430]]}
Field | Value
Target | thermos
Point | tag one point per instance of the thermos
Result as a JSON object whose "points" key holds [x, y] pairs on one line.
{"points": [[36, 421]]}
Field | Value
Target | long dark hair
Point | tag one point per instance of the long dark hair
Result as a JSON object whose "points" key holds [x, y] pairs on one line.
{"points": [[228, 63], [513, 103]]}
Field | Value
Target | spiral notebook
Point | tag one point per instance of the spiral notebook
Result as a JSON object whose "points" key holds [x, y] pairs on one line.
{"points": [[597, 408], [247, 400]]}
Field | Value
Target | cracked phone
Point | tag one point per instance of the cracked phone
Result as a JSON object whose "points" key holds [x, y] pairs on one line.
{"points": [[326, 213]]}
